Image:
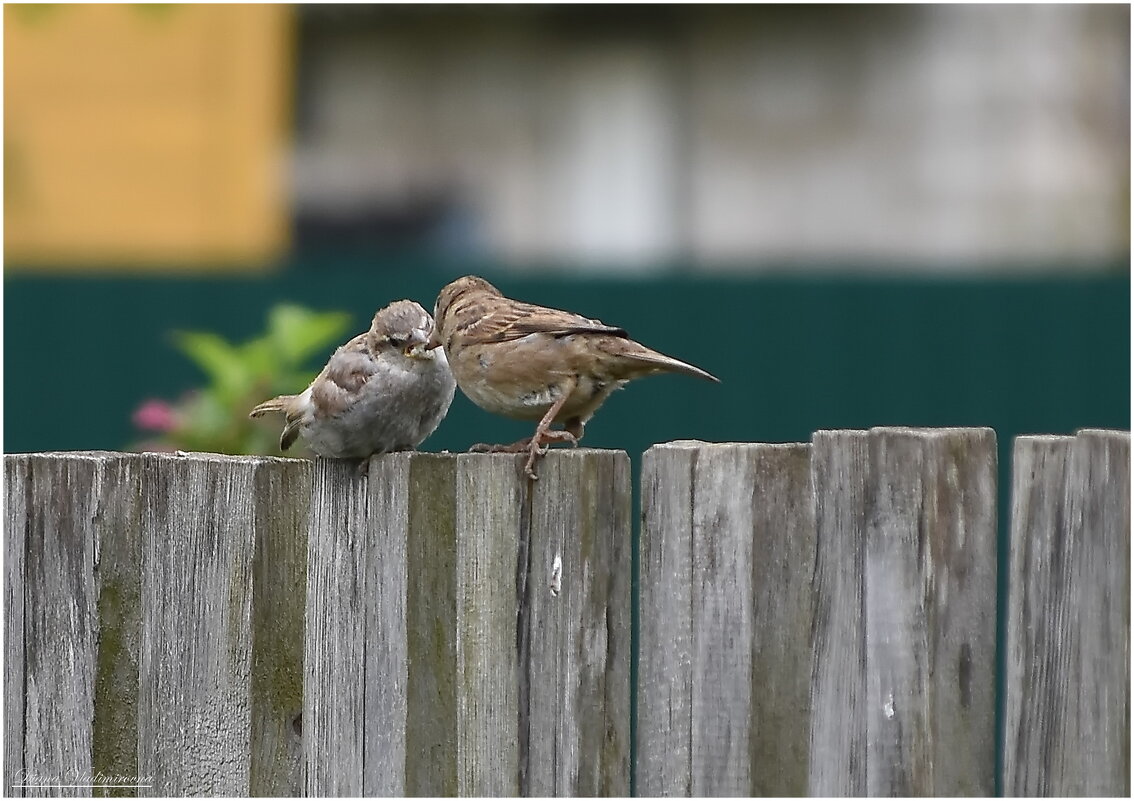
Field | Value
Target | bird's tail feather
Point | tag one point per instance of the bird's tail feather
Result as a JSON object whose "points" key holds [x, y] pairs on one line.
{"points": [[279, 404], [670, 365]]}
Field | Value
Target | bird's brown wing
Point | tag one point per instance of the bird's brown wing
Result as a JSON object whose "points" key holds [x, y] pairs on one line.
{"points": [[511, 320], [338, 386]]}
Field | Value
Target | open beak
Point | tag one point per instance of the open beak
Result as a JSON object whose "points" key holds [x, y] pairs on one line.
{"points": [[415, 347]]}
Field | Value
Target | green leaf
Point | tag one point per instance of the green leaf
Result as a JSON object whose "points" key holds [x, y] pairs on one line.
{"points": [[260, 359], [220, 361], [299, 333], [207, 417]]}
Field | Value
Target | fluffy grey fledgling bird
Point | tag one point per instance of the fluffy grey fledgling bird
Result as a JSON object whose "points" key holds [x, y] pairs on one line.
{"points": [[381, 392]]}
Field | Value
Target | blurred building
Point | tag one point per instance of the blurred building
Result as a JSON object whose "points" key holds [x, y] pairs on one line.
{"points": [[720, 137], [146, 135]]}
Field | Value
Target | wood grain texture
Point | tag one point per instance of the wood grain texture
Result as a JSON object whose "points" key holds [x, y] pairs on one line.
{"points": [[282, 509], [434, 664], [1099, 504], [665, 661], [63, 511], [543, 601], [747, 541], [724, 627], [930, 576], [578, 594], [381, 665], [1038, 625], [118, 577], [384, 627], [1067, 721], [783, 529], [198, 544], [489, 511], [839, 468], [814, 619], [431, 627], [334, 698], [16, 487]]}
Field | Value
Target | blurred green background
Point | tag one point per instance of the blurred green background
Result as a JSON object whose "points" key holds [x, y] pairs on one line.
{"points": [[1046, 354]]}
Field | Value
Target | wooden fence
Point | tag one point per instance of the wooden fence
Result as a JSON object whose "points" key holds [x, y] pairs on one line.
{"points": [[815, 619]]}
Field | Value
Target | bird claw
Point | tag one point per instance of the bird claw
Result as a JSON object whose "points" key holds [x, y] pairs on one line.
{"points": [[535, 446]]}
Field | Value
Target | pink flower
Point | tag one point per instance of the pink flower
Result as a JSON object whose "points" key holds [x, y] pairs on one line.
{"points": [[155, 415]]}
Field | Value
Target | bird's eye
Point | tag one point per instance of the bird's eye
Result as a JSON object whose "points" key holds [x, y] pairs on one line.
{"points": [[396, 340]]}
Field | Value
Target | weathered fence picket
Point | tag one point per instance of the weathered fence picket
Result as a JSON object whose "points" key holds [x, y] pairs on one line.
{"points": [[874, 550], [930, 612], [1067, 720], [16, 483], [815, 619], [727, 541], [837, 757]]}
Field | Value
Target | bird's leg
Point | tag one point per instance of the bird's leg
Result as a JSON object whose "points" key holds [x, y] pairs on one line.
{"points": [[537, 444], [543, 433]]}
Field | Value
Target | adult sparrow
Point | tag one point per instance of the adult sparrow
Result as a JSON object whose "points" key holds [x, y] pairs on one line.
{"points": [[534, 363], [383, 391]]}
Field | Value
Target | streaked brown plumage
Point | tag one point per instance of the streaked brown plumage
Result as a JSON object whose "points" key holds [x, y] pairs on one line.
{"points": [[380, 392], [535, 363]]}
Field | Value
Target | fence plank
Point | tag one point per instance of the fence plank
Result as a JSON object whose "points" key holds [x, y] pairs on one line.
{"points": [[1067, 721], [753, 549], [577, 594], [840, 465], [723, 613], [783, 526], [16, 480], [1037, 615], [930, 574], [384, 621], [665, 667], [1099, 484], [749, 541], [490, 511], [198, 544], [63, 516], [118, 575], [282, 509], [334, 692], [431, 627]]}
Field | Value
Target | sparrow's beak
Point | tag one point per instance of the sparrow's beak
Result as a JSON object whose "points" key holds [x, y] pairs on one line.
{"points": [[433, 342], [415, 346]]}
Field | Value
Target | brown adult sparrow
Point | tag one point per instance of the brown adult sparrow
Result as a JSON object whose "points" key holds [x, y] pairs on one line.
{"points": [[534, 363], [383, 391]]}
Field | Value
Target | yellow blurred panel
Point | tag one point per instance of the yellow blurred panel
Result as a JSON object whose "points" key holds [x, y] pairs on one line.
{"points": [[145, 135]]}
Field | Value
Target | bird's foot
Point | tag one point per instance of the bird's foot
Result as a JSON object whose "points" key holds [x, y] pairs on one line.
{"points": [[535, 446], [541, 443]]}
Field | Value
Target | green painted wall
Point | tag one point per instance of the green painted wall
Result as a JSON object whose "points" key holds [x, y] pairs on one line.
{"points": [[794, 355]]}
